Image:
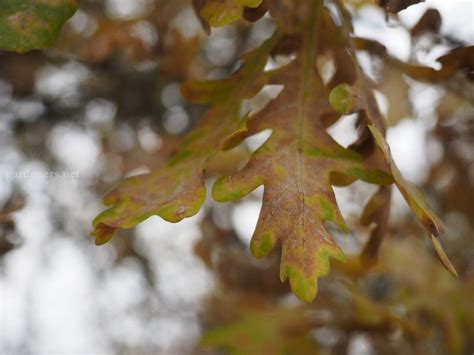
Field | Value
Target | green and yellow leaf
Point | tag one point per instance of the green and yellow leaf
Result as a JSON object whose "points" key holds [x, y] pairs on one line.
{"points": [[295, 166], [416, 201], [32, 24], [177, 190], [218, 13]]}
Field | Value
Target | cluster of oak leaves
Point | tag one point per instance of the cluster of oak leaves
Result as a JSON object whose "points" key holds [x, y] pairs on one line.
{"points": [[300, 162]]}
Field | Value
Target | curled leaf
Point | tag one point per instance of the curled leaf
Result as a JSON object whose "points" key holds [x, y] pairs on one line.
{"points": [[415, 200], [412, 195], [442, 256]]}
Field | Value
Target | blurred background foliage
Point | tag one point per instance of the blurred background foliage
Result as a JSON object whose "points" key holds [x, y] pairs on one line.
{"points": [[104, 102]]}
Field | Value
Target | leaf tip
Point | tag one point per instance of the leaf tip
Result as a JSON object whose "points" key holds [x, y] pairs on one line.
{"points": [[103, 233], [303, 287], [260, 246], [442, 256]]}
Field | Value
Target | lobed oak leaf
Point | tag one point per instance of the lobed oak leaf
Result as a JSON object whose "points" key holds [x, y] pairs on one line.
{"points": [[295, 166], [176, 190], [32, 24]]}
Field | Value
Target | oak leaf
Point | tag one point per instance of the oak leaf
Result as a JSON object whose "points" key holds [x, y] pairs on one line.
{"points": [[32, 24], [295, 166], [177, 190]]}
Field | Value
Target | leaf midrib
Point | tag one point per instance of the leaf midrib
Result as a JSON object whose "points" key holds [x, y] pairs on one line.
{"points": [[309, 46]]}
